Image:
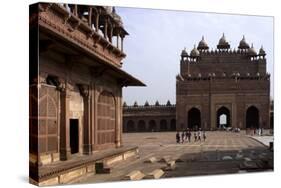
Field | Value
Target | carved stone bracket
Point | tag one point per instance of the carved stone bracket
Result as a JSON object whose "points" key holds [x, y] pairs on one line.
{"points": [[62, 85], [84, 90]]}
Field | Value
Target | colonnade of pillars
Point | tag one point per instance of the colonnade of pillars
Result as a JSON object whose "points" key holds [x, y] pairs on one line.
{"points": [[99, 22]]}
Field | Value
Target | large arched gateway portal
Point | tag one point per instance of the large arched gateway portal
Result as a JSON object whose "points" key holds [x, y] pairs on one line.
{"points": [[194, 118], [252, 117], [223, 118]]}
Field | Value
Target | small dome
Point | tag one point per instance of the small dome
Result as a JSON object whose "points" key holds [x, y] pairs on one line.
{"points": [[194, 52], [116, 17], [108, 9], [184, 53], [146, 103], [243, 44], [223, 44], [135, 104], [202, 45], [168, 103], [252, 51], [157, 103], [262, 52]]}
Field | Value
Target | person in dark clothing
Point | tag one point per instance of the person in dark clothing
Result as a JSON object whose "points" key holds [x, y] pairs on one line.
{"points": [[199, 135], [189, 136], [204, 136], [182, 136], [178, 137], [195, 137]]}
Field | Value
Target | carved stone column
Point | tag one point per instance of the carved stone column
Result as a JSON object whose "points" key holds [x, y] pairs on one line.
{"points": [[122, 40], [65, 151], [110, 33], [117, 41], [105, 29], [90, 17], [118, 120], [85, 92], [97, 21]]}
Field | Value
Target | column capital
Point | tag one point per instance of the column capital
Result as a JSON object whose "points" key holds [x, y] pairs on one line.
{"points": [[84, 90]]}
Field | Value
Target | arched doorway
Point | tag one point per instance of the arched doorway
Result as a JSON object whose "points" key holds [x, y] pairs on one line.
{"points": [[252, 117], [194, 118], [163, 125], [223, 118], [152, 126], [173, 125], [141, 126], [106, 118], [131, 126]]}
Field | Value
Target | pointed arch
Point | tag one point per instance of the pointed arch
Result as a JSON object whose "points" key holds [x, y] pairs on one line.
{"points": [[252, 117], [194, 118], [223, 117]]}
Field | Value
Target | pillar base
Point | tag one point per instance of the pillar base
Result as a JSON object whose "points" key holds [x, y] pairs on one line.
{"points": [[65, 154], [87, 149]]}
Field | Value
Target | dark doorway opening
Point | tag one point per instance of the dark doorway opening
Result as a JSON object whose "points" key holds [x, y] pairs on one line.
{"points": [[173, 125], [163, 125], [252, 117], [194, 119], [131, 126], [152, 126], [74, 135], [141, 126], [223, 118]]}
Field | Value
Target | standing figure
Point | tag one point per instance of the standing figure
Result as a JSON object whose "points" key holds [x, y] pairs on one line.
{"points": [[204, 136], [199, 135], [182, 136], [195, 137], [186, 135], [178, 137], [189, 136]]}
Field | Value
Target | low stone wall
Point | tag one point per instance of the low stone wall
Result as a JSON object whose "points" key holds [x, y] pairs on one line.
{"points": [[74, 174]]}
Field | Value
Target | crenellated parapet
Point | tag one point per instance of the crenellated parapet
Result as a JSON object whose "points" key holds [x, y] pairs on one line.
{"points": [[213, 76], [148, 106], [154, 111], [223, 62], [223, 49]]}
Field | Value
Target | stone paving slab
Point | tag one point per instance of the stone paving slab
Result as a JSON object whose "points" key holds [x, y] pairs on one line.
{"points": [[198, 158]]}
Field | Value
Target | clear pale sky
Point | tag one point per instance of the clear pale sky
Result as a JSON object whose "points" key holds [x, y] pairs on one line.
{"points": [[157, 37]]}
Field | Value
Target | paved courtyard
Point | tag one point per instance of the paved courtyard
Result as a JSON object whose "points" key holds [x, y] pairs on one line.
{"points": [[222, 152]]}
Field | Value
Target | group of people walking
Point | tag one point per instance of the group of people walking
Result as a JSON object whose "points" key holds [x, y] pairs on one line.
{"points": [[186, 135]]}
